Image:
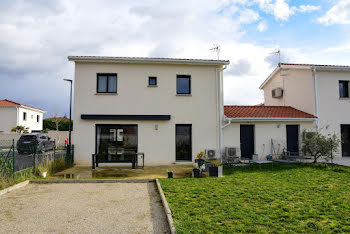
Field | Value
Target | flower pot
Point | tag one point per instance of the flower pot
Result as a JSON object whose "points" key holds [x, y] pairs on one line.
{"points": [[200, 161], [197, 173], [215, 171], [170, 174]]}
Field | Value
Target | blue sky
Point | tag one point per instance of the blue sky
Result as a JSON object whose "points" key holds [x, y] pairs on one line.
{"points": [[38, 35]]}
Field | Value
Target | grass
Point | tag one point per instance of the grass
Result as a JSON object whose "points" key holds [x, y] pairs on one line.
{"points": [[34, 174], [302, 199]]}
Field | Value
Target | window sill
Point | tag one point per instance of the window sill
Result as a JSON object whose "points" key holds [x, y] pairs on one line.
{"points": [[189, 95], [152, 86], [106, 93]]}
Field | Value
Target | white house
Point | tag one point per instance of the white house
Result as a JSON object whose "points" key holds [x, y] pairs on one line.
{"points": [[169, 109], [14, 114], [320, 90]]}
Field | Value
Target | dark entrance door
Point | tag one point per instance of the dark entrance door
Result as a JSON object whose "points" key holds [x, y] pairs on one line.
{"points": [[183, 138], [345, 138], [247, 141], [293, 139]]}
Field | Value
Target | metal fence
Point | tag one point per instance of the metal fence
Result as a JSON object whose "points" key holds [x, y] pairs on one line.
{"points": [[13, 160]]}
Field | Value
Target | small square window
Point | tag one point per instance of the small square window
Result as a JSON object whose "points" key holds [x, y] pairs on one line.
{"points": [[183, 84], [152, 81], [106, 83], [343, 88]]}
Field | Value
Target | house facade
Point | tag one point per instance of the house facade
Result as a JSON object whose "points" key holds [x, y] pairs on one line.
{"points": [[169, 109], [321, 90], [14, 114]]}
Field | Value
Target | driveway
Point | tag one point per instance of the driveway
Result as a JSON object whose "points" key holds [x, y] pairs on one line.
{"points": [[83, 208]]}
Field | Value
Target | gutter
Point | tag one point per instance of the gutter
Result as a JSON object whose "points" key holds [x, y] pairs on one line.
{"points": [[221, 106], [316, 98]]}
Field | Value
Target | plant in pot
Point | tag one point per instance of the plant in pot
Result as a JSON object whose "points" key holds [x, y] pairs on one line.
{"points": [[215, 169], [201, 156], [197, 173], [170, 174]]}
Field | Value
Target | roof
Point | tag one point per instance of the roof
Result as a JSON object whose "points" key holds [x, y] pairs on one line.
{"points": [[147, 60], [266, 112], [6, 102], [305, 66]]}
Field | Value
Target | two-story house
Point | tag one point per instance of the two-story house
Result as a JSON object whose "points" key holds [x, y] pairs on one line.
{"points": [[14, 114], [320, 90], [169, 109]]}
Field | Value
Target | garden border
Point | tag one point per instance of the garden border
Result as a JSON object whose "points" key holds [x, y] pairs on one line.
{"points": [[166, 209], [76, 181], [13, 187]]}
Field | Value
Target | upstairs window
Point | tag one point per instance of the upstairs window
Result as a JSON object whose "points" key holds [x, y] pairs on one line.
{"points": [[343, 89], [106, 83], [183, 84], [24, 115], [37, 118], [152, 81]]}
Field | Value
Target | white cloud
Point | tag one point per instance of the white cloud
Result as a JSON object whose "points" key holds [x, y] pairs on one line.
{"points": [[338, 14], [247, 16], [262, 26], [308, 8], [281, 9]]}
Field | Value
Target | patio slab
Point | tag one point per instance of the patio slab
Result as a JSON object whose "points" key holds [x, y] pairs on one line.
{"points": [[124, 172]]}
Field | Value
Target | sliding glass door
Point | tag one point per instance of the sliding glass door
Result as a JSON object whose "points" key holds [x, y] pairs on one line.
{"points": [[183, 140], [116, 140]]}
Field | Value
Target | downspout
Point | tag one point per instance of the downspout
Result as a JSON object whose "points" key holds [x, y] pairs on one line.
{"points": [[219, 72], [316, 98]]}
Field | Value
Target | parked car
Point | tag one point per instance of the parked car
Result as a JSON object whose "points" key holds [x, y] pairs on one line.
{"points": [[28, 143]]}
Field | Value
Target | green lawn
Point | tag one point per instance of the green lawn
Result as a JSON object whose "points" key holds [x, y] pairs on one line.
{"points": [[308, 199]]}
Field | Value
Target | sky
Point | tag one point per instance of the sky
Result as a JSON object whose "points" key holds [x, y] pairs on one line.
{"points": [[36, 36]]}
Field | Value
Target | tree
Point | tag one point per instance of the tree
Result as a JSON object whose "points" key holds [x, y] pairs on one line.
{"points": [[318, 145], [20, 129]]}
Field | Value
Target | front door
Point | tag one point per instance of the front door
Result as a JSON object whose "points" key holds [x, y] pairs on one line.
{"points": [[293, 139], [247, 141], [183, 138], [345, 139]]}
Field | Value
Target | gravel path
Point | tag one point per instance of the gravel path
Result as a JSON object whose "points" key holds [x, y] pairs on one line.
{"points": [[83, 208]]}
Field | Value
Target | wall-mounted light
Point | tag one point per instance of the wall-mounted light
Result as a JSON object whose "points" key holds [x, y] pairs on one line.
{"points": [[278, 125], [156, 127]]}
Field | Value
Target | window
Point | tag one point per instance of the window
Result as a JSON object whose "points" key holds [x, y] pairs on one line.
{"points": [[37, 118], [183, 84], [343, 89], [24, 115], [106, 83], [152, 81]]}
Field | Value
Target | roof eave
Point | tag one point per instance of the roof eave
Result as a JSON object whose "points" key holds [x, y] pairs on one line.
{"points": [[267, 119], [149, 61]]}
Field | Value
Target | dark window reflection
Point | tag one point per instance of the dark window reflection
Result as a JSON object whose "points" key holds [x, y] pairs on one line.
{"points": [[184, 142], [183, 84]]}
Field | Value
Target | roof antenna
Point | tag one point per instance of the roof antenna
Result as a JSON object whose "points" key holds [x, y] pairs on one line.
{"points": [[279, 55], [216, 49]]}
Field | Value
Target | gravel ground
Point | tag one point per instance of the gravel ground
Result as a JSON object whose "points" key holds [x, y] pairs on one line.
{"points": [[83, 208]]}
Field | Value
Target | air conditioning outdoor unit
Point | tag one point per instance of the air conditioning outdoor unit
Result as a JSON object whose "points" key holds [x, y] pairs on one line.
{"points": [[230, 151], [210, 153], [277, 93]]}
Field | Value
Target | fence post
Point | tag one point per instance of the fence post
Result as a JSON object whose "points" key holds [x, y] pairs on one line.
{"points": [[13, 158], [72, 154], [68, 154]]}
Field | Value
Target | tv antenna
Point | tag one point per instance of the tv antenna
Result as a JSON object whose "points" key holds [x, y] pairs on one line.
{"points": [[278, 52], [216, 49]]}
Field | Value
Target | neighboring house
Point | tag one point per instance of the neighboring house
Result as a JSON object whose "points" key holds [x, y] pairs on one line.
{"points": [[265, 130], [321, 90], [13, 114], [170, 109]]}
